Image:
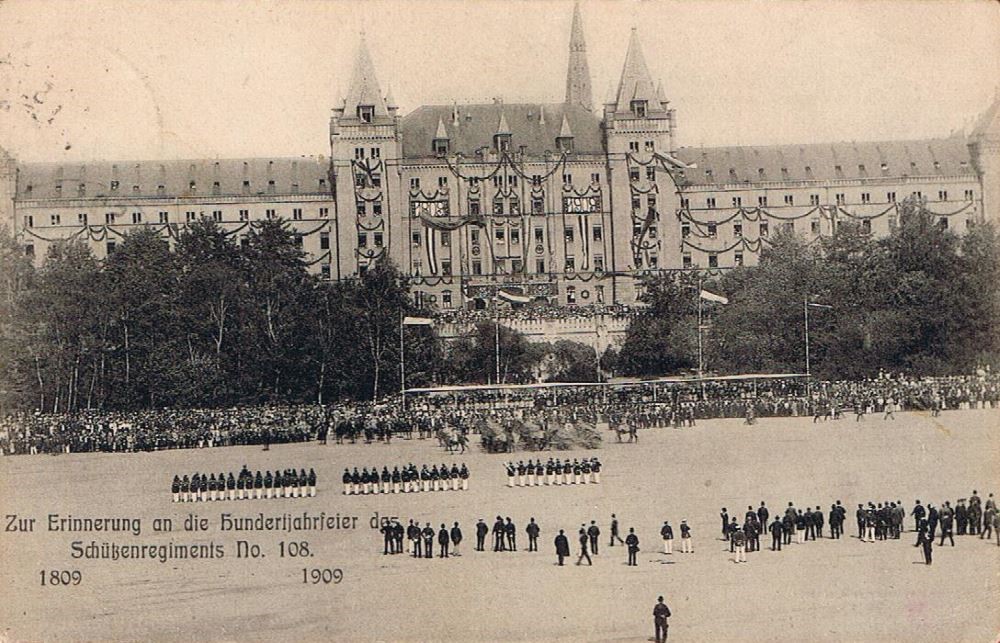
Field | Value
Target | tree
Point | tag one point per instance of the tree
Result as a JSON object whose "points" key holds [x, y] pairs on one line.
{"points": [[659, 339], [474, 359]]}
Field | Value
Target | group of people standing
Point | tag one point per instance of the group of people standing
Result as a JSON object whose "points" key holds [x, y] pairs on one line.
{"points": [[406, 480], [201, 487], [553, 472]]}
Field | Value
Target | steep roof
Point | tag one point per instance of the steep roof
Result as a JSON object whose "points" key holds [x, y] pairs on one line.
{"points": [[578, 88], [635, 82], [478, 123], [988, 125], [364, 88], [820, 161], [143, 178]]}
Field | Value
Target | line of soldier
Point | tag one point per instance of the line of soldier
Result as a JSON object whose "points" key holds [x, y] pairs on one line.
{"points": [[247, 485], [407, 480], [553, 472]]}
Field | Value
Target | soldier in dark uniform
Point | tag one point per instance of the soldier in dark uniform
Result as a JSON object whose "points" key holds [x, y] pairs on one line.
{"points": [[185, 488], [444, 539], [311, 478], [817, 523], [175, 488], [399, 534], [762, 515], [632, 542], [777, 532], [593, 532], [481, 531], [498, 535], [533, 531], [614, 531], [725, 523], [428, 534], [413, 539], [387, 538], [933, 517], [859, 516], [562, 547], [584, 542], [918, 514], [836, 522], [926, 542], [456, 539], [962, 517], [511, 532], [947, 515], [810, 524], [733, 527]]}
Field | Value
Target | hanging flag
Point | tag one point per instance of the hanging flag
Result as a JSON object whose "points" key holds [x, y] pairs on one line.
{"points": [[517, 299], [417, 321], [711, 296]]}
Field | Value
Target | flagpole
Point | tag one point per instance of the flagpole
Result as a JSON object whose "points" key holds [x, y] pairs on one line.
{"points": [[805, 308], [701, 356], [402, 363], [496, 330]]}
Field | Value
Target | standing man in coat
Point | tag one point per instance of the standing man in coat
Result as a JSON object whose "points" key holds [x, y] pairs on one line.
{"points": [[660, 615], [562, 547]]}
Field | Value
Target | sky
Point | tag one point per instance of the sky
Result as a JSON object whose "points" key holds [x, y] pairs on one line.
{"points": [[215, 79]]}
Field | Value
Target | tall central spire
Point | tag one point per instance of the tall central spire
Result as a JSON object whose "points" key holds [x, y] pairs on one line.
{"points": [[578, 73], [635, 83], [364, 89]]}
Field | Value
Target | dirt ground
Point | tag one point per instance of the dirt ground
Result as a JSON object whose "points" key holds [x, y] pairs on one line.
{"points": [[826, 590]]}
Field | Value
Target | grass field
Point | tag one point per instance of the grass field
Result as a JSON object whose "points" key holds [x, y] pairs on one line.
{"points": [[819, 591]]}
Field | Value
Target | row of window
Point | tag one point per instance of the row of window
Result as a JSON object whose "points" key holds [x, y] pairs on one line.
{"points": [[500, 265], [649, 146], [161, 190], [838, 170], [163, 216], [814, 199], [501, 181]]}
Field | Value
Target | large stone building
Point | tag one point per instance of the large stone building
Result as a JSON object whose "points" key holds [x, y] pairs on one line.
{"points": [[567, 201]]}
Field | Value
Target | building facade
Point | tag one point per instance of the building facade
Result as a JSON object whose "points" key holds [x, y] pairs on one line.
{"points": [[567, 202]]}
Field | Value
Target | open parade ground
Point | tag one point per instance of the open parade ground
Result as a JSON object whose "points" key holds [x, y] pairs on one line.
{"points": [[826, 590]]}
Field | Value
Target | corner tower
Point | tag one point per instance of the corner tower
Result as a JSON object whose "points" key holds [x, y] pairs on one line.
{"points": [[984, 148], [8, 189], [364, 152], [578, 90], [639, 130]]}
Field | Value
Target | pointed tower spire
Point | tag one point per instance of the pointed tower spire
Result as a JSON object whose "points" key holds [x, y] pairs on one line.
{"points": [[661, 95], [390, 100], [441, 134], [502, 126], [564, 130], [636, 83], [541, 114], [578, 73], [454, 115], [364, 91]]}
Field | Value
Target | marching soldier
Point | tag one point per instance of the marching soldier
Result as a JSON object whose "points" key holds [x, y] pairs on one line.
{"points": [[614, 532], [463, 473], [584, 541], [686, 546], [175, 488]]}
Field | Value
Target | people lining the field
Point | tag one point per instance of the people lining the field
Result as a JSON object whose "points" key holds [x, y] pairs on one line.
{"points": [[453, 417]]}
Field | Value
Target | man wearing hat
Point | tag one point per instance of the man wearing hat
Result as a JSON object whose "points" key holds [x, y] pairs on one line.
{"points": [[686, 546], [660, 615]]}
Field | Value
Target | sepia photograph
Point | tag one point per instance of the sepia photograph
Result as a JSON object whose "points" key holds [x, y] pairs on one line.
{"points": [[442, 320]]}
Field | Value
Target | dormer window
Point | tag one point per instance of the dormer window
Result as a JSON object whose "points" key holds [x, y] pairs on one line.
{"points": [[501, 142], [639, 108], [440, 146], [366, 113], [564, 143]]}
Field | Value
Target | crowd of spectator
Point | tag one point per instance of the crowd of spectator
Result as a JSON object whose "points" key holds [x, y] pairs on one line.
{"points": [[533, 312], [536, 418]]}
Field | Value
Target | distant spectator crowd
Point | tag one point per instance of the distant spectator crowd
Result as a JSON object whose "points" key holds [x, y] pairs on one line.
{"points": [[533, 419], [533, 312]]}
